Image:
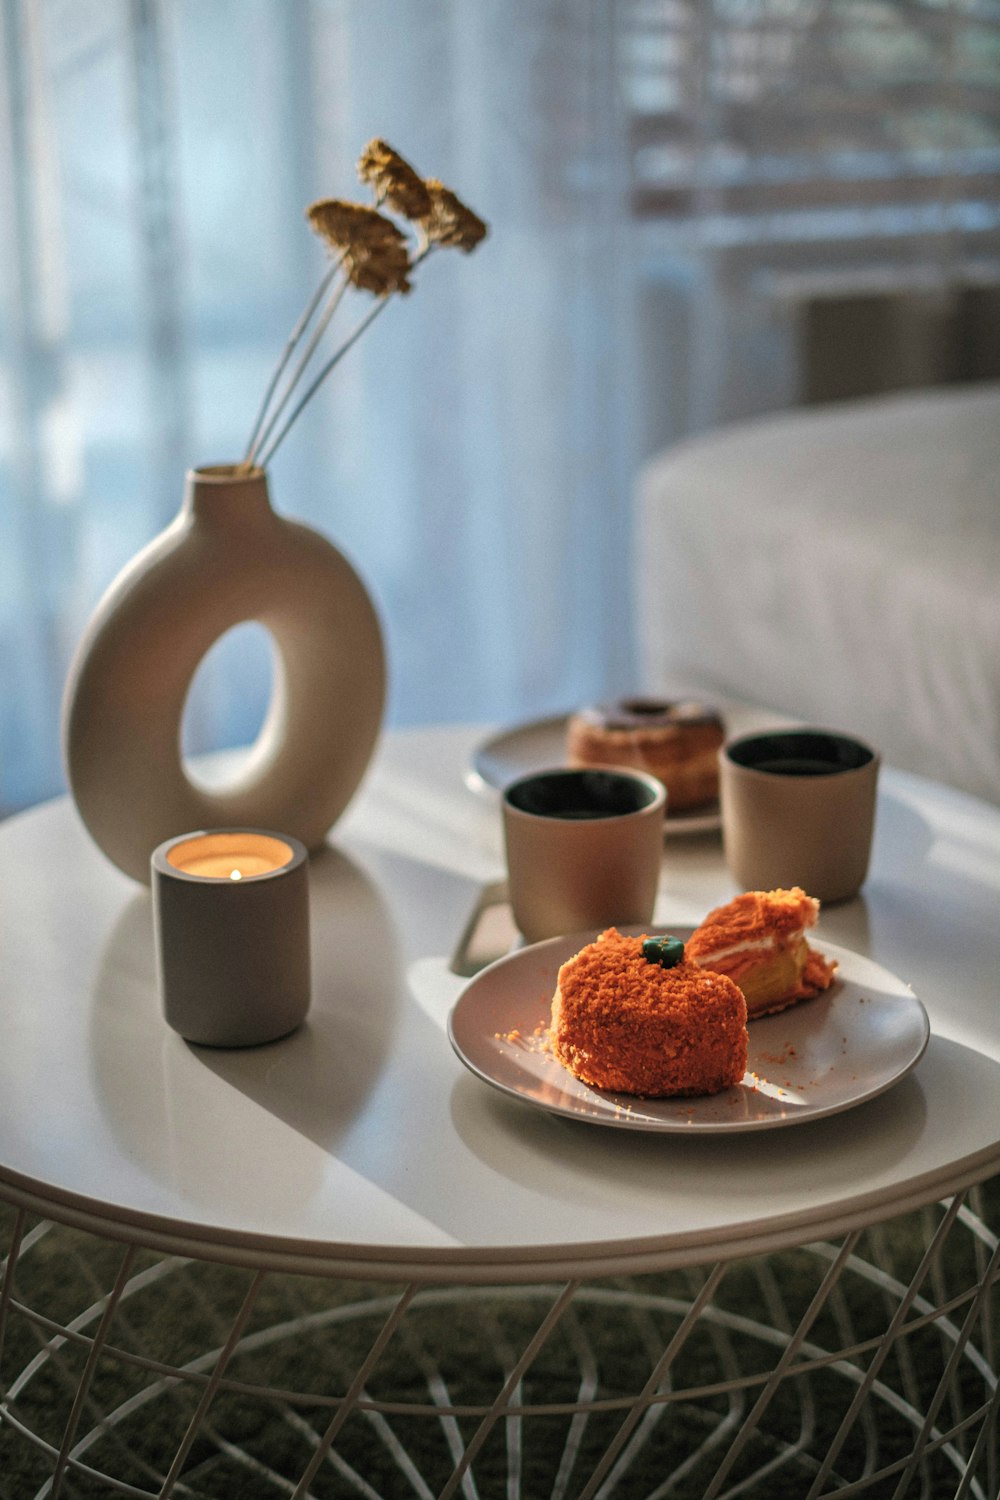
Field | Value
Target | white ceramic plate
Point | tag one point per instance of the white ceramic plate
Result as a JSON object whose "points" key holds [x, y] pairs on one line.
{"points": [[819, 1057], [541, 744]]}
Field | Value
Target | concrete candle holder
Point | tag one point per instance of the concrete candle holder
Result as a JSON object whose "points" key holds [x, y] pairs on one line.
{"points": [[231, 918]]}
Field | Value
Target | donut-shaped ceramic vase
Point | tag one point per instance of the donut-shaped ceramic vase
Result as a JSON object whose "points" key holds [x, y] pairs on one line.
{"points": [[227, 558]]}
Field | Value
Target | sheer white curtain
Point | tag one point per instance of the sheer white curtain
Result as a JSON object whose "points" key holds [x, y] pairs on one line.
{"points": [[675, 187], [472, 454]]}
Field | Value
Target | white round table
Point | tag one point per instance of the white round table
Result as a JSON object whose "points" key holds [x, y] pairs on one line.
{"points": [[360, 1148]]}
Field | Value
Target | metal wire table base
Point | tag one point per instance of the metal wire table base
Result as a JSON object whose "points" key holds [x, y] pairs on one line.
{"points": [[866, 1366]]}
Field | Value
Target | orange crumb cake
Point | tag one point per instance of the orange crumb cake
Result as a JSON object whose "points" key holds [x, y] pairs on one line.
{"points": [[759, 941], [622, 1019]]}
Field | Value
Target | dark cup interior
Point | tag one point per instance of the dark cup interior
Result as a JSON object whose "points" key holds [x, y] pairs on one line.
{"points": [[800, 752], [579, 794]]}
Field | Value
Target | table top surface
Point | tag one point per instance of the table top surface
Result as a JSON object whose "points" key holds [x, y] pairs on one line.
{"points": [[361, 1145]]}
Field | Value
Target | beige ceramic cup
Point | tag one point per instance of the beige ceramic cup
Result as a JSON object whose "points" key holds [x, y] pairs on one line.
{"points": [[584, 849], [798, 808]]}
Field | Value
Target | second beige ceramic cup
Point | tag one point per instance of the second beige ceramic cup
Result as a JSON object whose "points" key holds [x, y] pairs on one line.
{"points": [[798, 808], [584, 849]]}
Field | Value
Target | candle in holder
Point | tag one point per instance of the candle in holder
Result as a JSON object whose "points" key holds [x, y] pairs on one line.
{"points": [[231, 919]]}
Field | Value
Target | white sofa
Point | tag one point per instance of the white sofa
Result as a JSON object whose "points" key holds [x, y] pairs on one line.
{"points": [[840, 564]]}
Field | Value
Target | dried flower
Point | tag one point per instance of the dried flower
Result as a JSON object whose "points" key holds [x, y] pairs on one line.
{"points": [[450, 221], [372, 248], [393, 180], [380, 269], [347, 226], [371, 253]]}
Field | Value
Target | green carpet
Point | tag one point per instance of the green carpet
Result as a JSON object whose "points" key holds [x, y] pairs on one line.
{"points": [[442, 1367]]}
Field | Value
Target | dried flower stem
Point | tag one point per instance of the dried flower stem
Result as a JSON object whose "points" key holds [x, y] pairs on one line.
{"points": [[334, 359], [265, 458], [300, 368], [287, 352]]}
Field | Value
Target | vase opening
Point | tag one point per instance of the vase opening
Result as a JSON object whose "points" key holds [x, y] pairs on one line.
{"points": [[234, 683], [226, 472]]}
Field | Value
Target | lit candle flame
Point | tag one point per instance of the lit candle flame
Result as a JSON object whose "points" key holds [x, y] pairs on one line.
{"points": [[236, 875]]}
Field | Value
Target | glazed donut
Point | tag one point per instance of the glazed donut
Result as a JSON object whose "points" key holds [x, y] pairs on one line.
{"points": [[677, 742]]}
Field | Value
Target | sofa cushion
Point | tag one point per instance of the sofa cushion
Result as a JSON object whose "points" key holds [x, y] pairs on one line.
{"points": [[841, 564]]}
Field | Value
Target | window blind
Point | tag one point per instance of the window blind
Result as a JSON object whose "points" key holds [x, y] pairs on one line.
{"points": [[788, 119]]}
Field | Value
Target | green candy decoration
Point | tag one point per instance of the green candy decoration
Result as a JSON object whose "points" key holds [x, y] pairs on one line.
{"points": [[665, 951]]}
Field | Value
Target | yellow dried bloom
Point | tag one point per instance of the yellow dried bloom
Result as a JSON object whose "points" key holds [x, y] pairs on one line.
{"points": [[450, 221], [393, 180], [378, 268], [348, 226], [372, 249]]}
